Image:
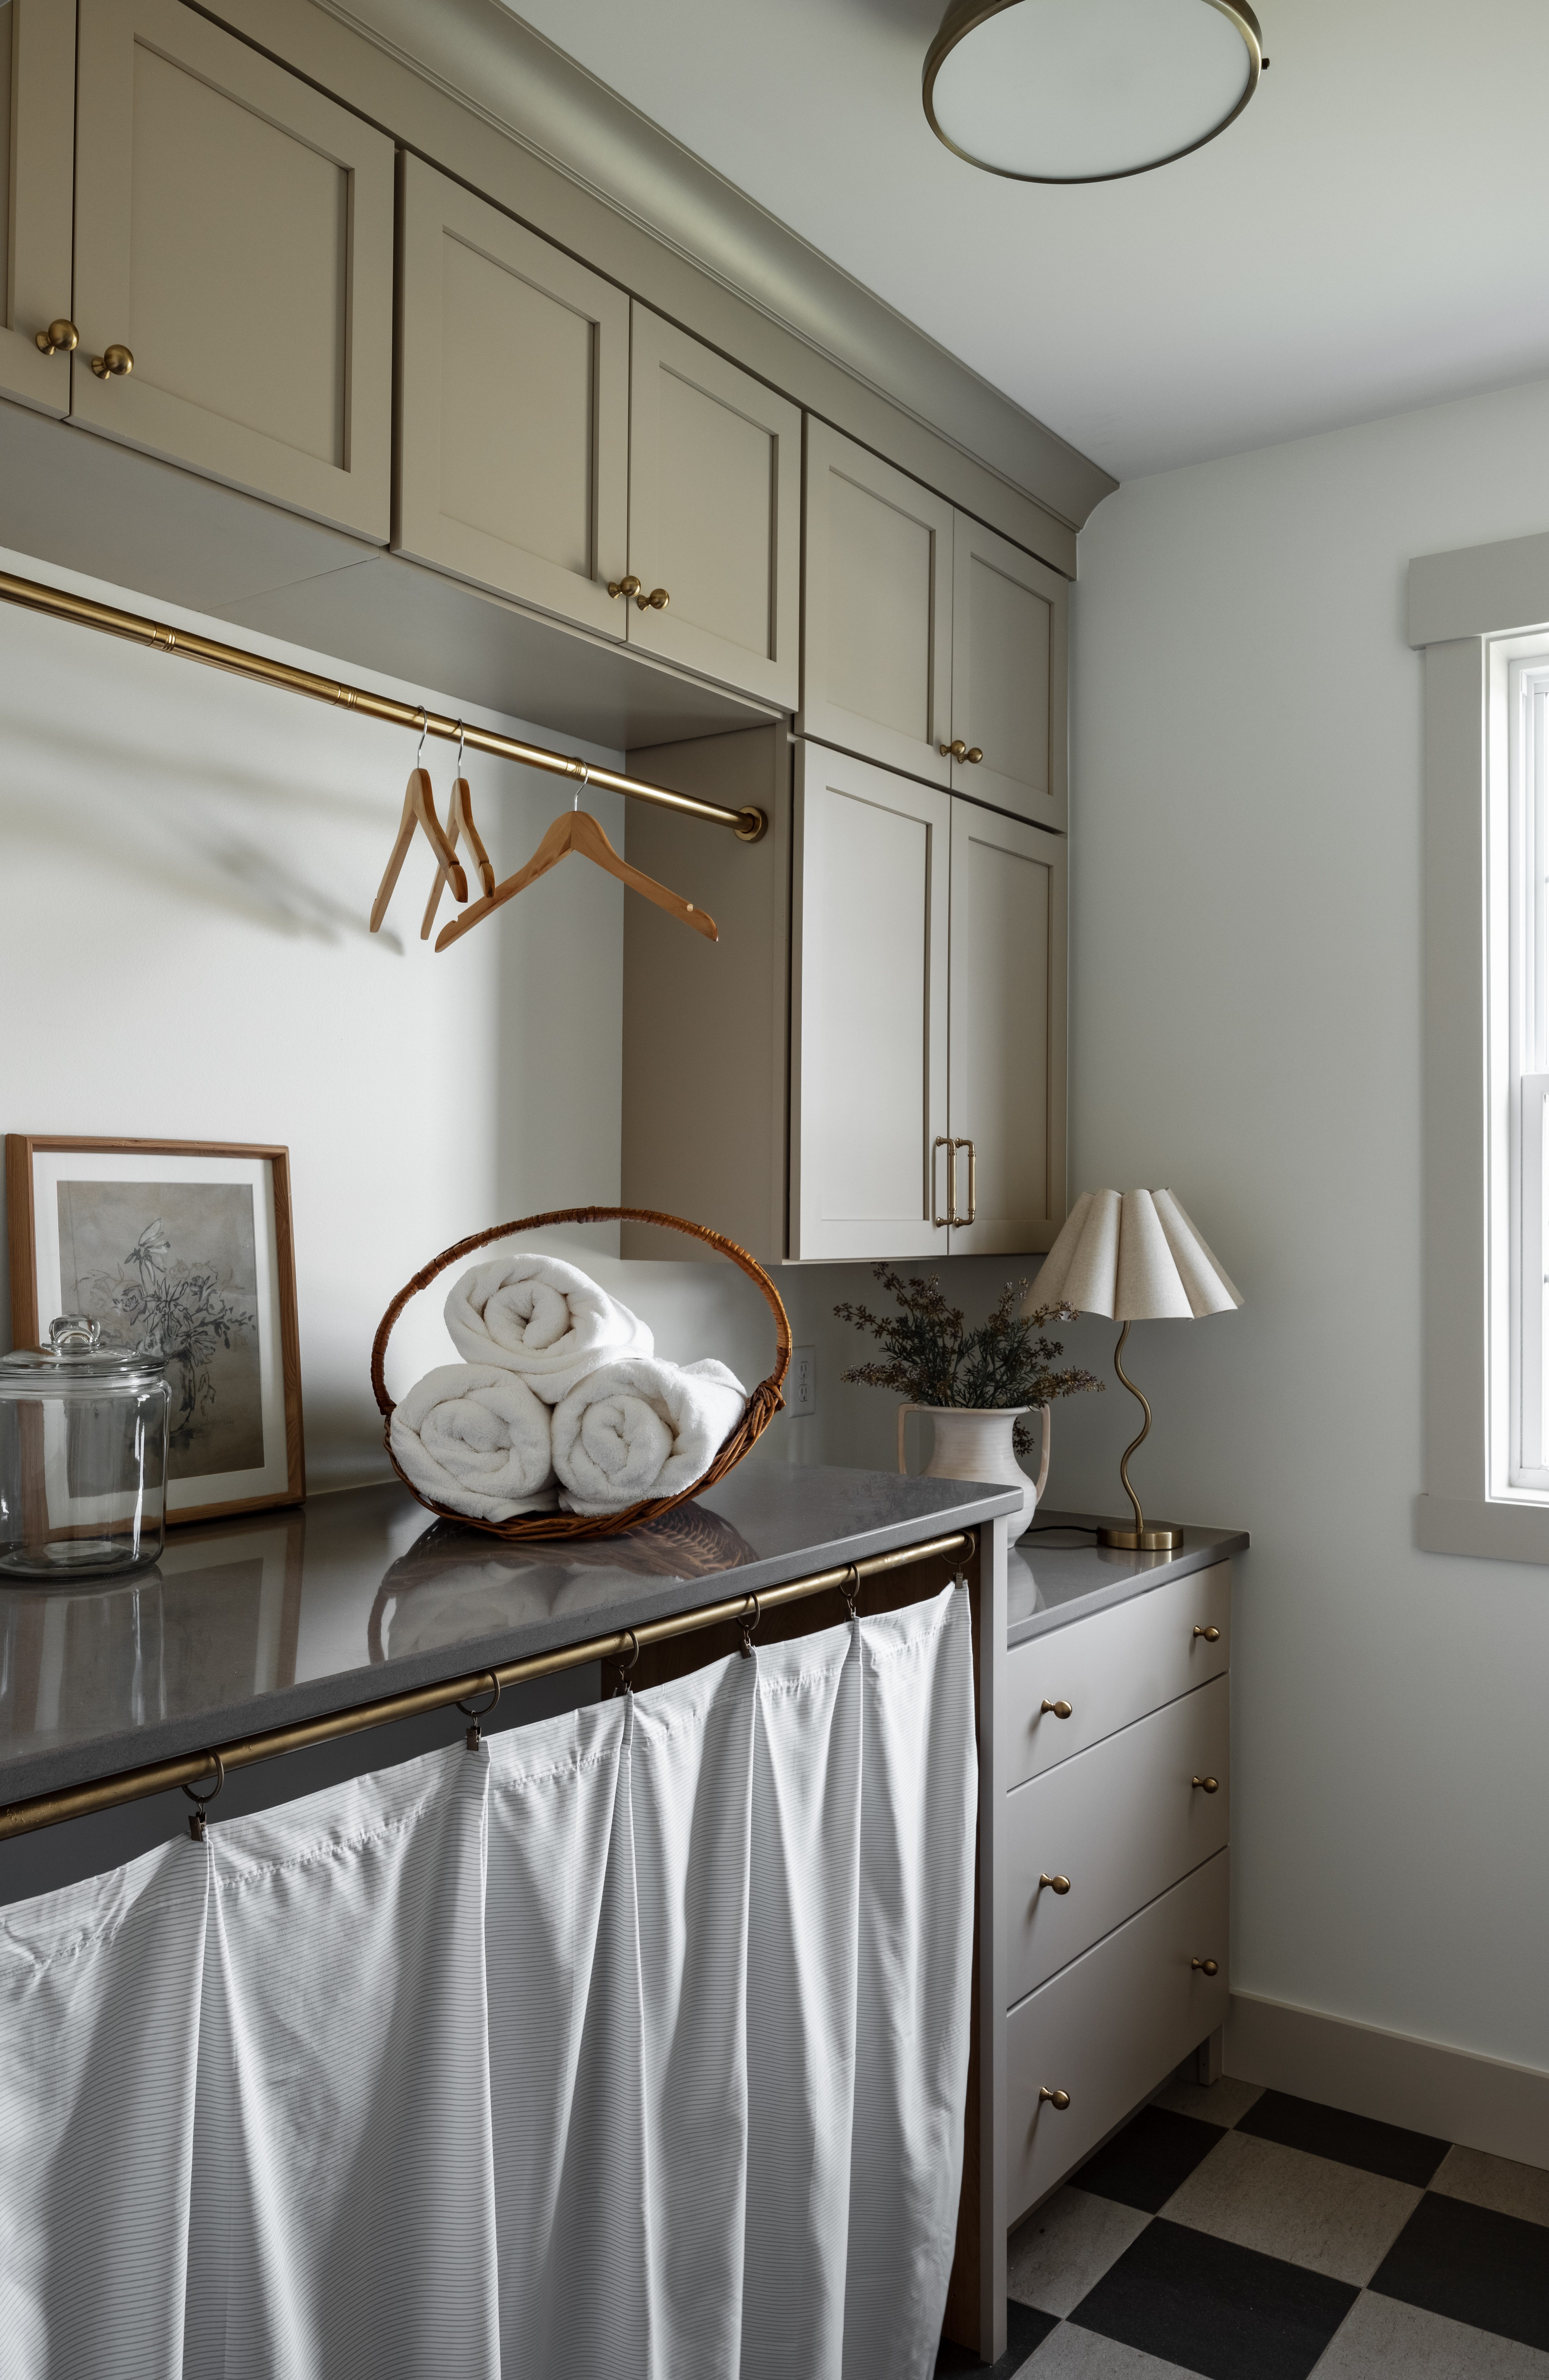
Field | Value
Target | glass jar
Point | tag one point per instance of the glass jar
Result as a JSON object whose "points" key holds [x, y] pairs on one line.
{"points": [[83, 1456]]}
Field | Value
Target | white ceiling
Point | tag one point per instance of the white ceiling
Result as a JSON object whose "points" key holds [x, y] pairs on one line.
{"points": [[1370, 235]]}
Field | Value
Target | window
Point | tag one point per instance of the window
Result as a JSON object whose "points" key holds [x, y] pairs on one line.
{"points": [[1524, 1028]]}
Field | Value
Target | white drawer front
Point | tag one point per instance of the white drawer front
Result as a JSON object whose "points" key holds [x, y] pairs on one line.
{"points": [[1118, 1824], [1114, 1668], [1109, 2029]]}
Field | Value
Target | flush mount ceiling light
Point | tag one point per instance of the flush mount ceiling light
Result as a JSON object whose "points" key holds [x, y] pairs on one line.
{"points": [[1088, 90]]}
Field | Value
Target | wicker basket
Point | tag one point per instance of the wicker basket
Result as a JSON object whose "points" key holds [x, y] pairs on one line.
{"points": [[759, 1410]]}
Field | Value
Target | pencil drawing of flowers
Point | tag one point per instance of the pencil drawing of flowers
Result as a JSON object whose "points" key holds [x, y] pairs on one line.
{"points": [[183, 1310]]}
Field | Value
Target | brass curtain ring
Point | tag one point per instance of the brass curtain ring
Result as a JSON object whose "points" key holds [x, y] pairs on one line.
{"points": [[473, 1717], [625, 1666], [748, 1626], [201, 1801], [852, 1592]]}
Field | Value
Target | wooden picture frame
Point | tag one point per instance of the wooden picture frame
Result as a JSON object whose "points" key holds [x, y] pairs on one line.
{"points": [[123, 1229]]}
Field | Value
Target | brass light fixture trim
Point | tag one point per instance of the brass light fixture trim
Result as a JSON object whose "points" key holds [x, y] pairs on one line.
{"points": [[965, 17]]}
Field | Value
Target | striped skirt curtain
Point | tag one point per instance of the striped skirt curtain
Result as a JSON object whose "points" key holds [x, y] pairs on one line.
{"points": [[632, 2046]]}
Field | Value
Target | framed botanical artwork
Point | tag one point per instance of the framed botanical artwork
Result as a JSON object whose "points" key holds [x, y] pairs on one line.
{"points": [[187, 1246]]}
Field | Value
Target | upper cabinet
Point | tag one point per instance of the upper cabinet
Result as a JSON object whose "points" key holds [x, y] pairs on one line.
{"points": [[514, 425], [1008, 676], [232, 265], [714, 515], [877, 639], [37, 134], [929, 642]]}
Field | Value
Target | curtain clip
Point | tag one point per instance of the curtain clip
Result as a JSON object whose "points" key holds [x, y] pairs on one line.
{"points": [[748, 1626], [201, 1800], [851, 1591], [625, 1667], [473, 1717]]}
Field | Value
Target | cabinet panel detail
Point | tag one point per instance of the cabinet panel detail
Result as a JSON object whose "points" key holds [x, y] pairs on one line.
{"points": [[1121, 1822], [1114, 1667], [869, 1029], [512, 438], [876, 632], [1008, 1030], [714, 512], [37, 141], [1008, 664], [233, 230]]}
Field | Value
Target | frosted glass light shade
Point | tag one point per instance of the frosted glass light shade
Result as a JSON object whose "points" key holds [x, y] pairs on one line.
{"points": [[1135, 1257], [1088, 90]]}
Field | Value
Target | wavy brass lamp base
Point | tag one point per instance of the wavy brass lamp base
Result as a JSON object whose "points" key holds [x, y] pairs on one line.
{"points": [[1140, 1539], [1143, 1541]]}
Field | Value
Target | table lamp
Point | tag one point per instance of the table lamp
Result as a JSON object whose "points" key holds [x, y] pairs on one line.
{"points": [[1135, 1257]]}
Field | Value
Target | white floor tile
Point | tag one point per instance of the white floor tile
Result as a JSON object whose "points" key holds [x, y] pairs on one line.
{"points": [[1381, 2339], [1220, 2103], [1309, 2211], [1494, 2181], [1064, 2250], [1070, 2353]]}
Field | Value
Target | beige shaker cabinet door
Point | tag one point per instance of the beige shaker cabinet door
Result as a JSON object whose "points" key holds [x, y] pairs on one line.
{"points": [[234, 231], [868, 1029], [715, 513], [876, 631], [1009, 665], [37, 141], [1006, 1033], [513, 464]]}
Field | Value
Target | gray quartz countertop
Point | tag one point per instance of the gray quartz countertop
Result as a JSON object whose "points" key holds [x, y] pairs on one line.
{"points": [[1058, 1572], [272, 1618]]}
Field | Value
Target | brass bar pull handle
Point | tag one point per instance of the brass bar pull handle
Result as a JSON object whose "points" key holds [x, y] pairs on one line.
{"points": [[1060, 1884], [1205, 1966], [1058, 2099], [1211, 1636], [956, 751], [972, 1180], [113, 363], [60, 338], [1208, 1784], [951, 1215], [657, 600], [1062, 1711], [617, 587]]}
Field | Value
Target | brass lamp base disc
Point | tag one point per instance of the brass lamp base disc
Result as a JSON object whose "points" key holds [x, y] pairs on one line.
{"points": [[1142, 1541]]}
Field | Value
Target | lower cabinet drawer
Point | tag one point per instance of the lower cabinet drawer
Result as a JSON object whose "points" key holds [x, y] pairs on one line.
{"points": [[1118, 1824], [1109, 2029], [1079, 1683]]}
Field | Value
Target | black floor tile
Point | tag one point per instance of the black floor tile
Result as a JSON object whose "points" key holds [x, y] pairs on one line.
{"points": [[1348, 2140], [1146, 2162], [1025, 2329], [1478, 2266], [1215, 2308]]}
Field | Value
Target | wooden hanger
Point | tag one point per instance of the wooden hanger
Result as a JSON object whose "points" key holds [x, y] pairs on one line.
{"points": [[578, 830], [459, 822], [420, 810]]}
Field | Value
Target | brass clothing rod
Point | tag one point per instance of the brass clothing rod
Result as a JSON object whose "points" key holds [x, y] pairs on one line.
{"points": [[747, 824], [161, 1776]]}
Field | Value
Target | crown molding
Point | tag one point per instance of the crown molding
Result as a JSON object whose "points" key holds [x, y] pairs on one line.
{"points": [[491, 62]]}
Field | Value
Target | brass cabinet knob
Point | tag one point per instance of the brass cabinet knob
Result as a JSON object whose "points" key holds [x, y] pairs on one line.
{"points": [[113, 363], [1211, 1636], [973, 756], [1205, 1966], [1208, 1784], [957, 749], [59, 338], [1059, 2099], [617, 587], [657, 600], [1060, 1884], [1062, 1711]]}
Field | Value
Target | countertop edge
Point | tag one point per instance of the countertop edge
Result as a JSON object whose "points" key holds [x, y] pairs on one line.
{"points": [[1216, 1545]]}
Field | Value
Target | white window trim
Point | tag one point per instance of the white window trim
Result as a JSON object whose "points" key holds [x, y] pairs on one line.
{"points": [[1473, 613]]}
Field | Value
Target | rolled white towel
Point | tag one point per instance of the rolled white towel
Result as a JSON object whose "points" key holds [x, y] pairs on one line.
{"points": [[475, 1437], [540, 1316], [641, 1428]]}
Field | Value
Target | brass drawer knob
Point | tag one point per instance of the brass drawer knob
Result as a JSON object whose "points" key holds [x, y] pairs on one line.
{"points": [[1058, 2099], [956, 751], [1211, 1636], [59, 338], [657, 600], [1205, 1966], [973, 756], [617, 587], [113, 363], [1055, 1882], [1060, 1710], [1208, 1784]]}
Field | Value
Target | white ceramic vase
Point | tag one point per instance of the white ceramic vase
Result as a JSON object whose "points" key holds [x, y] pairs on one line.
{"points": [[971, 1443]]}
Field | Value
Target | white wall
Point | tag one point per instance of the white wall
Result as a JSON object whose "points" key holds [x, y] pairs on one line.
{"points": [[1246, 1004]]}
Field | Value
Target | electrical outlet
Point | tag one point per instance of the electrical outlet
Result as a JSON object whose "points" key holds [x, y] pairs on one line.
{"points": [[801, 1387]]}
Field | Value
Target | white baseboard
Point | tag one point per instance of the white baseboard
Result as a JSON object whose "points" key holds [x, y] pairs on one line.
{"points": [[1481, 2102]]}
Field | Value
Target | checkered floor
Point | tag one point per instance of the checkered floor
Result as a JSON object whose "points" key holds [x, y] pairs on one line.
{"points": [[1248, 2236]]}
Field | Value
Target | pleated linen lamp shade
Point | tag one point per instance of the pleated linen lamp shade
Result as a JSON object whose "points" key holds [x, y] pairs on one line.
{"points": [[1136, 1257]]}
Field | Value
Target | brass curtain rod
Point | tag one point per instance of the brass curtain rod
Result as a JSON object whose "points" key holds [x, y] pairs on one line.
{"points": [[748, 824], [161, 1776]]}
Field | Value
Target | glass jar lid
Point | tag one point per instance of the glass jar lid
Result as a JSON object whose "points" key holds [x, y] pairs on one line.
{"points": [[75, 1353]]}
